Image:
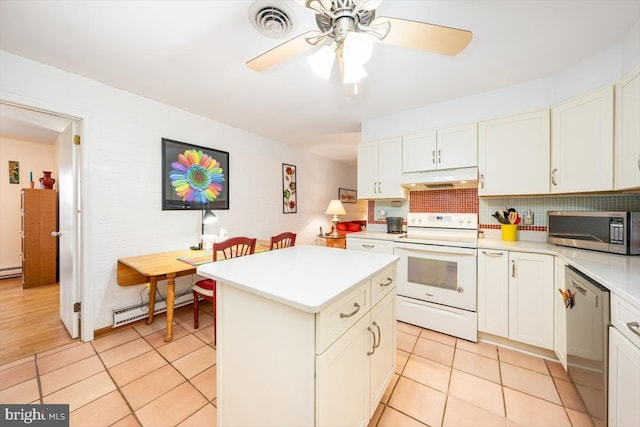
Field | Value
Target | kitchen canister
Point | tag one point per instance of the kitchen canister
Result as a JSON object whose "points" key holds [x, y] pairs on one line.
{"points": [[509, 232]]}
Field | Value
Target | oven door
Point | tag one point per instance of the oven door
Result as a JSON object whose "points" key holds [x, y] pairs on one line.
{"points": [[439, 274]]}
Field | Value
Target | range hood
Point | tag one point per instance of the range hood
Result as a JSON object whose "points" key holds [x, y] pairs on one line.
{"points": [[441, 179]]}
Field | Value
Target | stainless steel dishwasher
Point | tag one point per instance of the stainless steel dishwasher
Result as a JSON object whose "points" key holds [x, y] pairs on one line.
{"points": [[587, 305]]}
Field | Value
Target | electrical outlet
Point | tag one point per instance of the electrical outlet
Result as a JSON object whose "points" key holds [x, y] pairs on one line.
{"points": [[148, 286]]}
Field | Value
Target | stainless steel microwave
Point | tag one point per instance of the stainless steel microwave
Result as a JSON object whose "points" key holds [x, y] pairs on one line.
{"points": [[614, 232]]}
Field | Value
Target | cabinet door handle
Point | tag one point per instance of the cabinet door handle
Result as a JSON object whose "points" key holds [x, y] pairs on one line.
{"points": [[433, 157], [634, 327], [368, 246], [373, 347], [482, 180], [389, 281], [513, 268], [379, 336], [356, 305], [440, 156], [379, 187], [553, 176], [493, 253], [638, 161]]}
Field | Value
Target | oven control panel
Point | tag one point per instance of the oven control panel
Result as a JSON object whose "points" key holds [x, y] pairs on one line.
{"points": [[442, 220]]}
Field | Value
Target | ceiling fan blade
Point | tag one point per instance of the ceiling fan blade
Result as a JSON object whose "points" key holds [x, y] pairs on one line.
{"points": [[428, 37], [282, 52]]}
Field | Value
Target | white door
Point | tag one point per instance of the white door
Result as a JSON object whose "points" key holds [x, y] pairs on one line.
{"points": [[68, 218]]}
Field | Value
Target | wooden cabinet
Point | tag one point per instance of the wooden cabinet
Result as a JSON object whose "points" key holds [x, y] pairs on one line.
{"points": [[559, 314], [39, 218], [332, 242], [582, 143], [624, 380], [515, 296], [370, 245], [513, 154], [447, 148], [627, 142], [379, 168]]}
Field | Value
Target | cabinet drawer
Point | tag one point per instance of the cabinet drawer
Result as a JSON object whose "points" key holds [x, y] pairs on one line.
{"points": [[334, 320], [371, 245], [626, 319], [382, 283]]}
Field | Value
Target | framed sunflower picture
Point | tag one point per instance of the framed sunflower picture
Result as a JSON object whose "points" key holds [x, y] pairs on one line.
{"points": [[194, 177], [289, 190]]}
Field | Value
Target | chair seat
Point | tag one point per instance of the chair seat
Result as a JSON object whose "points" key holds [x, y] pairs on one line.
{"points": [[205, 287]]}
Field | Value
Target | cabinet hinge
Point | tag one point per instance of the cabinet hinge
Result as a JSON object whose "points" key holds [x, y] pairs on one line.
{"points": [[76, 139], [76, 307]]}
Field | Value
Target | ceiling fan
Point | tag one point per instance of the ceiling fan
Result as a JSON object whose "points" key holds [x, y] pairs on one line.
{"points": [[348, 29]]}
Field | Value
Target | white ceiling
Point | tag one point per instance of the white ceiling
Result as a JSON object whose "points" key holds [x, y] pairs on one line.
{"points": [[192, 54]]}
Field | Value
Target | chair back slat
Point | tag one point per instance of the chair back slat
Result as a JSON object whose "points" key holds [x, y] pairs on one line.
{"points": [[234, 247], [282, 240]]}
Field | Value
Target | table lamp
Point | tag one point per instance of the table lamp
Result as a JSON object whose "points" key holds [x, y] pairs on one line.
{"points": [[208, 217], [335, 208]]}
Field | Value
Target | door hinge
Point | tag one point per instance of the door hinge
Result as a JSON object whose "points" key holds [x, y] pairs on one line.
{"points": [[76, 307], [76, 139]]}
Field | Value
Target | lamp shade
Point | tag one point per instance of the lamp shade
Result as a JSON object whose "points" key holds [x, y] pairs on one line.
{"points": [[335, 208], [208, 217]]}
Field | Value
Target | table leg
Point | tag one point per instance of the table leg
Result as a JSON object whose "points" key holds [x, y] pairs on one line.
{"points": [[171, 294], [153, 283]]}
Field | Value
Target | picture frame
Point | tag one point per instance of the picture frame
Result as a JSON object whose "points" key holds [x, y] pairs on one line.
{"points": [[194, 177], [289, 189], [346, 195], [14, 172]]}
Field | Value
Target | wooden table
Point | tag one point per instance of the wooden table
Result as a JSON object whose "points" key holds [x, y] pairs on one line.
{"points": [[332, 241], [143, 269]]}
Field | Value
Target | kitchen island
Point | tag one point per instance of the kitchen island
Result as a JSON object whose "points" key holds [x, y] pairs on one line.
{"points": [[305, 336]]}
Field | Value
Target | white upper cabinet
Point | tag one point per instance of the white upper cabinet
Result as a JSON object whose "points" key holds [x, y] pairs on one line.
{"points": [[582, 143], [447, 148], [627, 145], [379, 170], [513, 154]]}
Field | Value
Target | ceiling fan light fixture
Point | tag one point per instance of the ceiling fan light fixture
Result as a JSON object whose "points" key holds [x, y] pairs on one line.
{"points": [[321, 62]]}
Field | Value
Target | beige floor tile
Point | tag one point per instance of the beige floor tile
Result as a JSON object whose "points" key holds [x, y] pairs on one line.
{"points": [[16, 363], [83, 392], [195, 362], [579, 419], [401, 360], [159, 324], [103, 411], [428, 372], [206, 383], [418, 401], [593, 400], [205, 321], [435, 351], [392, 418], [143, 390], [477, 391], [173, 407], [522, 360], [392, 385], [408, 328], [137, 367], [156, 339], [405, 341], [25, 392], [54, 360], [437, 336], [529, 382], [178, 348], [18, 373], [481, 348], [128, 421], [205, 334], [116, 355], [459, 413], [115, 339], [206, 416], [62, 348], [569, 395], [376, 415], [65, 376], [477, 365], [528, 410], [557, 370]]}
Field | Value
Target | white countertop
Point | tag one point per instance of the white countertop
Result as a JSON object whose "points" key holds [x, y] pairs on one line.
{"points": [[618, 273], [304, 277]]}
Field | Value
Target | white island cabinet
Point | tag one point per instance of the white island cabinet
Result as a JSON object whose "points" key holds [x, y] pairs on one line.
{"points": [[306, 336]]}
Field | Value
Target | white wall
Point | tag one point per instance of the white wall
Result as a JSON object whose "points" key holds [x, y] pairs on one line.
{"points": [[33, 157], [121, 155]]}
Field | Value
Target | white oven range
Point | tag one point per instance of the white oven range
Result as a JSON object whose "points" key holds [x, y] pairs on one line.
{"points": [[437, 279]]}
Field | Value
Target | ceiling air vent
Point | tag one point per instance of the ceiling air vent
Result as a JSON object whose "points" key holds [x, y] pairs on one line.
{"points": [[273, 19]]}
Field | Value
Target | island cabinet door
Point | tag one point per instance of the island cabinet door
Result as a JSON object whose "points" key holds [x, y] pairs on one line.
{"points": [[383, 355], [342, 379]]}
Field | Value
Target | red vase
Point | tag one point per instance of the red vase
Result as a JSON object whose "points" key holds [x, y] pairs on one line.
{"points": [[46, 181]]}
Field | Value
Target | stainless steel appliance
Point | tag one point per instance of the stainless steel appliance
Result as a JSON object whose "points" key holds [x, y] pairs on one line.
{"points": [[614, 232], [437, 273], [587, 305], [394, 224]]}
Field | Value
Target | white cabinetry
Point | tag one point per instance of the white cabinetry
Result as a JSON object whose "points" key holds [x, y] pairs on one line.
{"points": [[627, 145], [370, 245], [559, 314], [513, 154], [447, 148], [582, 143], [379, 169], [515, 296], [624, 380]]}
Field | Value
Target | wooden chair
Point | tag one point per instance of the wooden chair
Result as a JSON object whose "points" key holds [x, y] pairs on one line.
{"points": [[230, 248], [282, 240]]}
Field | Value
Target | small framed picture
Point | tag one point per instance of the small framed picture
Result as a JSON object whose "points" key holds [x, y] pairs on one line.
{"points": [[347, 196], [289, 190]]}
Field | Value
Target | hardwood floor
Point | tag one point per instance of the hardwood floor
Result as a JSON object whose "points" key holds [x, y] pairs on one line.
{"points": [[29, 320]]}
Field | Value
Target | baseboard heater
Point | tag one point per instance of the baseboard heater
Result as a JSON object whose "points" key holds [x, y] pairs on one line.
{"points": [[9, 272], [122, 316]]}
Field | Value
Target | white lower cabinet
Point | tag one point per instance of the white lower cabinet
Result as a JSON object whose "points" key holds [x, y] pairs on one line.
{"points": [[559, 314], [370, 245], [515, 296], [624, 381]]}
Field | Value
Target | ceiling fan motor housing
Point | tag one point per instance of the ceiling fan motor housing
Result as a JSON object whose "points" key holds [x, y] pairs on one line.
{"points": [[344, 19]]}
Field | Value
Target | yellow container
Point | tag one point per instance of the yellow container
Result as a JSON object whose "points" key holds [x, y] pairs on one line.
{"points": [[509, 232]]}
